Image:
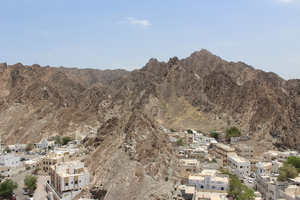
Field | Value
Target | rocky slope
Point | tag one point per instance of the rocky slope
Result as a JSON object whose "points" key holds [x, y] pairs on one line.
{"points": [[128, 110], [131, 159]]}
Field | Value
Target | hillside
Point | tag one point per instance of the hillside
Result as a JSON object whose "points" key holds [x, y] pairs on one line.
{"points": [[127, 111]]}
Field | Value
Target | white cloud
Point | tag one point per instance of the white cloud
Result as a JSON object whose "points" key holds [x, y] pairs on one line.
{"points": [[140, 23], [286, 0]]}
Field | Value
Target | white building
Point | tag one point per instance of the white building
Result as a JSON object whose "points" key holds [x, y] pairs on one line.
{"points": [[17, 147], [263, 168], [44, 144], [241, 166], [67, 180], [275, 166], [209, 179], [271, 189], [10, 160]]}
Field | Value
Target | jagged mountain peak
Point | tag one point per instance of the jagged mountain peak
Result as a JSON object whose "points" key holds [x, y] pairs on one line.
{"points": [[201, 92]]}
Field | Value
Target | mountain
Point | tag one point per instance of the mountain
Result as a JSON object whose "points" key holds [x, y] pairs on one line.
{"points": [[120, 114]]}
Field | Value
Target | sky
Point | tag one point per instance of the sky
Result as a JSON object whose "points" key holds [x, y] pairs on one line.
{"points": [[126, 34]]}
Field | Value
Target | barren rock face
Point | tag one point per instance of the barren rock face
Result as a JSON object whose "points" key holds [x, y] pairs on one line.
{"points": [[131, 158], [130, 153]]}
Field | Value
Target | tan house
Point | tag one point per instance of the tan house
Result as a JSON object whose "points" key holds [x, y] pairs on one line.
{"points": [[222, 151], [67, 180], [244, 151], [55, 157]]}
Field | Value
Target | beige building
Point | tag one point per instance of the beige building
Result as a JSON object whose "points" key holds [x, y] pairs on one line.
{"points": [[244, 151], [67, 180], [270, 155], [5, 171], [54, 157], [198, 154], [280, 156], [253, 163], [189, 165], [222, 151]]}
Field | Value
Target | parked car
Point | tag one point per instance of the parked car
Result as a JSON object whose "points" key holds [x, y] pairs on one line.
{"points": [[250, 180], [252, 175], [25, 192], [22, 159]]}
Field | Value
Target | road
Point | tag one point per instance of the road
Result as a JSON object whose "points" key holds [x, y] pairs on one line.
{"points": [[246, 182], [19, 179]]}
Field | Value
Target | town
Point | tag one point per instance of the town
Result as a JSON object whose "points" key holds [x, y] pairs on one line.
{"points": [[213, 166], [220, 166], [48, 167]]}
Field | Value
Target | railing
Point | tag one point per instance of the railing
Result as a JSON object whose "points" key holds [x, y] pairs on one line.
{"points": [[53, 190]]}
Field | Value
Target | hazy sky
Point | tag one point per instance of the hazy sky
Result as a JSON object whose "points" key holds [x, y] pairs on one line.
{"points": [[126, 34]]}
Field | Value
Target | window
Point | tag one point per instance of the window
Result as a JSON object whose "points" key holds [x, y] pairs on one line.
{"points": [[241, 166], [66, 184], [76, 182], [222, 188]]}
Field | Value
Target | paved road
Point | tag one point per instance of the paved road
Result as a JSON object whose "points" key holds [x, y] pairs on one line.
{"points": [[19, 179]]}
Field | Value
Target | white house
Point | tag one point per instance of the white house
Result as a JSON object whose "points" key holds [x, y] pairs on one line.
{"points": [[5, 171], [44, 144], [209, 179], [263, 168], [67, 180], [10, 160], [241, 166]]}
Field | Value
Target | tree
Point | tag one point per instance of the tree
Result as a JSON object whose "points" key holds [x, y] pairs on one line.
{"points": [[58, 141], [66, 139], [29, 147], [295, 161], [282, 176], [172, 130], [180, 142], [214, 135], [239, 190], [7, 187], [30, 182], [290, 170], [190, 131], [7, 150], [232, 132], [36, 170]]}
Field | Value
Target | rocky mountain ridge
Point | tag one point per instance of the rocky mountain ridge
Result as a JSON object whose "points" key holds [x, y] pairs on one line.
{"points": [[120, 114]]}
